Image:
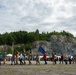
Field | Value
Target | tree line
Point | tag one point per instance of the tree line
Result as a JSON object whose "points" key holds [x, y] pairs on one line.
{"points": [[24, 37]]}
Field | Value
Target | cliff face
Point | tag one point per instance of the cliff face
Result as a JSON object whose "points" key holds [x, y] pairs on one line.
{"points": [[62, 44], [58, 44]]}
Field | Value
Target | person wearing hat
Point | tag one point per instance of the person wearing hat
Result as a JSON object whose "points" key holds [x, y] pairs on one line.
{"points": [[0, 58]]}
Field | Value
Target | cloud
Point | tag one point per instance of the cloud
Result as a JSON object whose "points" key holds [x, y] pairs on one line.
{"points": [[72, 1], [44, 15]]}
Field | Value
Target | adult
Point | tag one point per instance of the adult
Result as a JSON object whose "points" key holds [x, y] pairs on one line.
{"points": [[30, 57], [66, 59], [61, 58], [69, 58], [24, 54], [53, 58], [5, 53], [17, 58], [45, 57], [0, 58], [74, 58], [37, 59], [21, 59], [13, 59]]}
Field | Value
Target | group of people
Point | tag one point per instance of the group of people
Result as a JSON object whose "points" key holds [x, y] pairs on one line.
{"points": [[20, 58], [64, 58], [16, 57], [1, 57]]}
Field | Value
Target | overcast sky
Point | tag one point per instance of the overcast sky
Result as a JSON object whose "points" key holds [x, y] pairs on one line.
{"points": [[44, 15]]}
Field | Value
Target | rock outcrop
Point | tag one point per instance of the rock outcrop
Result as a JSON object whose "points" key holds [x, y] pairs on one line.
{"points": [[58, 44]]}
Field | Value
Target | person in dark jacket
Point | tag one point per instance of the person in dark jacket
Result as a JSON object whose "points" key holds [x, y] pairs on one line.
{"points": [[61, 58]]}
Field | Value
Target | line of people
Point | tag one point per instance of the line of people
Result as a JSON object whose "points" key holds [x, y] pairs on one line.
{"points": [[20, 58], [64, 58]]}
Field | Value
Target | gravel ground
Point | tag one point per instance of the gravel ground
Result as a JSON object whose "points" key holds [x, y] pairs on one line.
{"points": [[49, 69]]}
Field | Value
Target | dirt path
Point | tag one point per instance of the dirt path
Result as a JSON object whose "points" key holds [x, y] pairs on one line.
{"points": [[49, 69]]}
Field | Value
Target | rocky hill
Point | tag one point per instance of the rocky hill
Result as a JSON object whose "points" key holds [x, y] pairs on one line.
{"points": [[58, 44]]}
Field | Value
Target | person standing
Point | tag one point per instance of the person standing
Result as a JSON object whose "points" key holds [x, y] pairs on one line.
{"points": [[53, 58], [74, 58], [0, 58], [66, 59], [61, 58], [37, 59], [17, 58], [13, 59], [45, 58], [5, 53], [24, 54], [21, 59], [69, 58], [30, 57]]}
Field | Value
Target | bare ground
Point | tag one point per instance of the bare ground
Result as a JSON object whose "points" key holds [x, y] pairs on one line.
{"points": [[49, 69]]}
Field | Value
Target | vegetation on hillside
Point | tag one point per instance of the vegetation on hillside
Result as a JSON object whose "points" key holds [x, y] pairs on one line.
{"points": [[25, 39]]}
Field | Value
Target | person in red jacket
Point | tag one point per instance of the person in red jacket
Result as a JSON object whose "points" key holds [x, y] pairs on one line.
{"points": [[45, 58]]}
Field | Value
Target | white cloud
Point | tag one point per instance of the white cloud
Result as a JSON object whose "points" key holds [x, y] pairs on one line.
{"points": [[45, 15]]}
